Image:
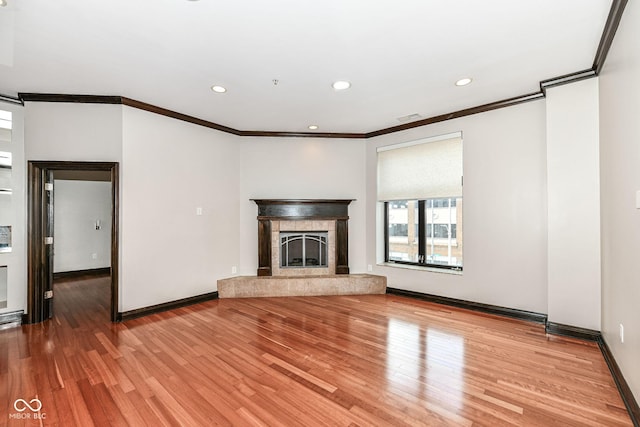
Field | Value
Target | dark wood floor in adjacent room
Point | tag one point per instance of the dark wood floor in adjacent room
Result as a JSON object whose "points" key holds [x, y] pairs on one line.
{"points": [[346, 360]]}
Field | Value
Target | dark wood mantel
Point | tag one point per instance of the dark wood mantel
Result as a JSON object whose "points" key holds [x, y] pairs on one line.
{"points": [[302, 209]]}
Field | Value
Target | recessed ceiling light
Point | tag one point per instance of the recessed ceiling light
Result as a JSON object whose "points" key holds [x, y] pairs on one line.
{"points": [[464, 82], [313, 127], [341, 85], [215, 88], [3, 3]]}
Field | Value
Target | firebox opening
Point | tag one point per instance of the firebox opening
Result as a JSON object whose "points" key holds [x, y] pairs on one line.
{"points": [[303, 249]]}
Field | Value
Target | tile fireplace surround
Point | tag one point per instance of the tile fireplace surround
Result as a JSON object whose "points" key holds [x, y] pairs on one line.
{"points": [[275, 215], [304, 215], [302, 225]]}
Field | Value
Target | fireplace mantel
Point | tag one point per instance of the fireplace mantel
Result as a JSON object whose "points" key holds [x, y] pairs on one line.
{"points": [[300, 210]]}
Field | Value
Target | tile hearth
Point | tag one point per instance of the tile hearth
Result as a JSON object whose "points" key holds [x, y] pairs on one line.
{"points": [[280, 286]]}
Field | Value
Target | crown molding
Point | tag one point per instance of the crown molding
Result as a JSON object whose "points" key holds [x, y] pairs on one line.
{"points": [[179, 116], [119, 100], [609, 32], [606, 40], [460, 113], [10, 100], [566, 79], [79, 99], [304, 134]]}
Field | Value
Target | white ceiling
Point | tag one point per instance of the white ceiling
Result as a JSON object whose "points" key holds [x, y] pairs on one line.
{"points": [[402, 57]]}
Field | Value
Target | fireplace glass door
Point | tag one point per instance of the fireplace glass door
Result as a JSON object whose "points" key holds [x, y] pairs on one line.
{"points": [[303, 249]]}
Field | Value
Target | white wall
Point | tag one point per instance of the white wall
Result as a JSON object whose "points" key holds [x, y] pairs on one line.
{"points": [[302, 168], [620, 180], [170, 168], [79, 132], [3, 286], [504, 217], [15, 215], [573, 205], [77, 206]]}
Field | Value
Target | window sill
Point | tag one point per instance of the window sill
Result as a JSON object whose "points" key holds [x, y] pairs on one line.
{"points": [[420, 268]]}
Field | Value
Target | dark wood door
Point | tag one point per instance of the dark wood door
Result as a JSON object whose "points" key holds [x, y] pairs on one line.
{"points": [[40, 236], [48, 255]]}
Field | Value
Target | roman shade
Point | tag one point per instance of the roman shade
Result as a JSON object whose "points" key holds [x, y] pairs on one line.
{"points": [[429, 168]]}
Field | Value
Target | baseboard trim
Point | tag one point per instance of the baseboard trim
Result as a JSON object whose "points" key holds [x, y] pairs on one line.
{"points": [[145, 311], [572, 331], [475, 306], [11, 319], [93, 272], [623, 388]]}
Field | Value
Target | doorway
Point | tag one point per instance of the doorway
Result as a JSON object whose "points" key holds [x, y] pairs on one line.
{"points": [[40, 233]]}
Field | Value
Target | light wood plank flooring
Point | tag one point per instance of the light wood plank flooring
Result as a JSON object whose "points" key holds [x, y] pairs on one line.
{"points": [[372, 360]]}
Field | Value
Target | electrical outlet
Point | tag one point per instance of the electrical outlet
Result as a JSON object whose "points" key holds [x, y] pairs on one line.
{"points": [[234, 270], [94, 256], [621, 333], [369, 268]]}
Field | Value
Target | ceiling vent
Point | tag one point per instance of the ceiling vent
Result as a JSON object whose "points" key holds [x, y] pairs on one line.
{"points": [[409, 118]]}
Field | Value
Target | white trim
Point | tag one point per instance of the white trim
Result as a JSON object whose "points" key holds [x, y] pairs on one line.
{"points": [[420, 141], [425, 268]]}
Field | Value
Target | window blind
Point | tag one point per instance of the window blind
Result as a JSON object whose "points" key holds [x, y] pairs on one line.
{"points": [[424, 169]]}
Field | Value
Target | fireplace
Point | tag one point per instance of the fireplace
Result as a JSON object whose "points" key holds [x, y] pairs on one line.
{"points": [[304, 249], [302, 237]]}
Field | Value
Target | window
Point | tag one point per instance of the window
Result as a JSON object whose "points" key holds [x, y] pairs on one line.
{"points": [[441, 231], [426, 228], [398, 230]]}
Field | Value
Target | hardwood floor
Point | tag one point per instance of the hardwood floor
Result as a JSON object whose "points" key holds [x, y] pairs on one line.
{"points": [[343, 360]]}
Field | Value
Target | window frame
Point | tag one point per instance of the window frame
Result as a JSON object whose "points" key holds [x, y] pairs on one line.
{"points": [[422, 241]]}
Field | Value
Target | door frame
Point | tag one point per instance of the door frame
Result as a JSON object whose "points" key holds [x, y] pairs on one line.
{"points": [[39, 267]]}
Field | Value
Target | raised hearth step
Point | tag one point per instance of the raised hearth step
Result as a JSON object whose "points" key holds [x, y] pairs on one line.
{"points": [[281, 286]]}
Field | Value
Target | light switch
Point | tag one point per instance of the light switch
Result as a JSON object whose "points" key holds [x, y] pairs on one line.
{"points": [[198, 211]]}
